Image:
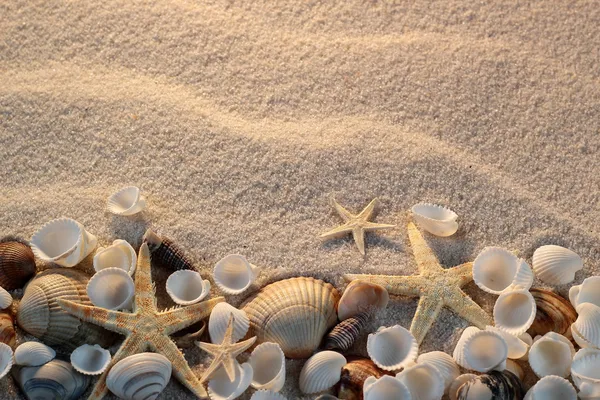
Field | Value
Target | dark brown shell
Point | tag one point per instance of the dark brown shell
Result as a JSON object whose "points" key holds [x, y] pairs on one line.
{"points": [[343, 335], [353, 377], [554, 314], [501, 385], [166, 253], [17, 265], [7, 329]]}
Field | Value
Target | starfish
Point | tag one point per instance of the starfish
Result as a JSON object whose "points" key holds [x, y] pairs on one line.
{"points": [[355, 224], [436, 287], [145, 329], [225, 353]]}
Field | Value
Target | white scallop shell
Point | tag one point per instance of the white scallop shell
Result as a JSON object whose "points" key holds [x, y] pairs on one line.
{"points": [[424, 382], [457, 383], [514, 311], [496, 270], [6, 359], [233, 274], [587, 325], [392, 348], [385, 388], [552, 388], [587, 292], [481, 351], [361, 296], [142, 376], [515, 368], [127, 201], [435, 219], [580, 340], [5, 298], [267, 395], [33, 354], [111, 288], [90, 359], [219, 319], [458, 353], [517, 348], [186, 287], [221, 388], [551, 354], [556, 265], [444, 363], [268, 362], [321, 371], [118, 255], [585, 371]]}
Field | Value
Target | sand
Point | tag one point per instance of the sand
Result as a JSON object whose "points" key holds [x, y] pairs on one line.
{"points": [[239, 120]]}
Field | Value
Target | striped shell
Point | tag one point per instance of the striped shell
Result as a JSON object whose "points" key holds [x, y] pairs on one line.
{"points": [[142, 376], [54, 380], [7, 329], [17, 265], [493, 385], [166, 253], [267, 395], [556, 265], [344, 334], [444, 363], [294, 313], [33, 354], [354, 374], [321, 371], [554, 314]]}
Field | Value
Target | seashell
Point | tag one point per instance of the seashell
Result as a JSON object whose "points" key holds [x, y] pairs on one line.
{"points": [[33, 354], [118, 255], [392, 348], [552, 388], [494, 385], [515, 311], [344, 334], [361, 296], [481, 351], [167, 253], [6, 359], [127, 201], [444, 363], [515, 368], [435, 219], [457, 383], [111, 288], [54, 380], [551, 354], [90, 360], [268, 363], [294, 313], [517, 348], [585, 371], [7, 329], [63, 241], [40, 315], [17, 264], [554, 314], [424, 381], [321, 371], [185, 338], [221, 388], [267, 395], [587, 292], [187, 287], [354, 374], [142, 376], [233, 274], [385, 388], [497, 270], [219, 318], [326, 397], [587, 326], [5, 299], [556, 265]]}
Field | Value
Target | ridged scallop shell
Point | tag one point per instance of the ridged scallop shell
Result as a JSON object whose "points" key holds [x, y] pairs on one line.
{"points": [[321, 371], [6, 359], [496, 270], [33, 354], [294, 313], [551, 355], [554, 314], [142, 376], [40, 315], [54, 380], [552, 388], [494, 385], [392, 348], [444, 363], [267, 395], [424, 381], [90, 360], [221, 388], [7, 329], [354, 374], [17, 264], [5, 299], [126, 201], [457, 384], [585, 371], [517, 348], [385, 388], [186, 287], [233, 274], [587, 292], [111, 288], [166, 253], [480, 351], [118, 255], [437, 220], [268, 363], [556, 265], [587, 325], [343, 335], [360, 297], [219, 318], [515, 311]]}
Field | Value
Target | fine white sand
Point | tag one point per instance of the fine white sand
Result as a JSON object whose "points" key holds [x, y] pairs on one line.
{"points": [[239, 120]]}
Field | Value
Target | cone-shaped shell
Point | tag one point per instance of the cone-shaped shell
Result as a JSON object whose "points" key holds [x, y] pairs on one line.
{"points": [[481, 351], [444, 363], [552, 388], [457, 383], [54, 380], [392, 348], [17, 264], [7, 329], [494, 385], [496, 270], [233, 274], [354, 374], [5, 299], [294, 313], [221, 388], [360, 297], [321, 371], [424, 382], [6, 359], [33, 354], [587, 292], [551, 355], [385, 388], [344, 334], [127, 201], [111, 288], [267, 395], [118, 255], [142, 376], [90, 359], [268, 363], [186, 287], [435, 219], [587, 325], [585, 371], [517, 348], [166, 253], [515, 311], [219, 319], [553, 314], [556, 265]]}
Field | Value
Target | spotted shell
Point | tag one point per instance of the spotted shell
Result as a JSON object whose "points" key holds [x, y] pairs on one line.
{"points": [[344, 334], [554, 314], [354, 374], [7, 329], [493, 385], [166, 253], [17, 264]]}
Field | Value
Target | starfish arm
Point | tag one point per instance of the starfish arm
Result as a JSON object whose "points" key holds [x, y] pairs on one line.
{"points": [[345, 214], [427, 311], [463, 272], [359, 238], [336, 232], [145, 299], [466, 308], [426, 260], [115, 321], [368, 210], [180, 318], [239, 348], [397, 285], [372, 226]]}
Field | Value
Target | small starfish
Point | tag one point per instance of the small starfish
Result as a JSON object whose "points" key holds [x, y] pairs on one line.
{"points": [[225, 353], [436, 287], [146, 329], [355, 224]]}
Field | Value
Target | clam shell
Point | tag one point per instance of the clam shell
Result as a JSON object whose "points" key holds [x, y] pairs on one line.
{"points": [[233, 274], [515, 311], [54, 380], [111, 288], [515, 368], [5, 299], [90, 360], [294, 313], [392, 348], [551, 355], [7, 329], [354, 374], [481, 351], [6, 359], [552, 388], [321, 371], [587, 325], [268, 363], [496, 270], [444, 363], [517, 348], [343, 335], [435, 219], [127, 201], [118, 255], [360, 297], [554, 314], [267, 395], [385, 388], [142, 376], [166, 253], [585, 371], [186, 287], [424, 381], [33, 354], [494, 385], [556, 265], [219, 318], [457, 383], [587, 292], [17, 264], [221, 388]]}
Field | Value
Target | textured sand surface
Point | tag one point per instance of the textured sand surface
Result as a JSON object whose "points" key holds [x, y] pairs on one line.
{"points": [[240, 119]]}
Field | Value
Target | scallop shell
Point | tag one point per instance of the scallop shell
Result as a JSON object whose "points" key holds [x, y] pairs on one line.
{"points": [[585, 371], [221, 388], [587, 292], [344, 334], [556, 265], [54, 380], [385, 388], [6, 359], [7, 329], [90, 360], [111, 288], [354, 374], [424, 381], [185, 338], [517, 348], [321, 371], [219, 318], [142, 376], [435, 219], [118, 255], [166, 253], [33, 354], [5, 299], [552, 388], [40, 315], [481, 351], [127, 201], [515, 311], [457, 384], [444, 363], [294, 313], [233, 274], [554, 314], [496, 270], [186, 287], [494, 385], [268, 363], [515, 368], [17, 264], [392, 348], [267, 395], [587, 325], [551, 355], [360, 297]]}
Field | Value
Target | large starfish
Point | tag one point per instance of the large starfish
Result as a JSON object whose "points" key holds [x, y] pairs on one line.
{"points": [[355, 224], [436, 287], [146, 329]]}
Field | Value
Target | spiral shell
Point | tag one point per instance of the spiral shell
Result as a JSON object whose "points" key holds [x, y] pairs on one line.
{"points": [[354, 374], [33, 354], [493, 385], [360, 297], [7, 329], [142, 376], [344, 334], [17, 264], [321, 371], [54, 380], [554, 314], [556, 265], [166, 253]]}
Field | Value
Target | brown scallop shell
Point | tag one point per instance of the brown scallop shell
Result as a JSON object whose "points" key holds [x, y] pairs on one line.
{"points": [[17, 264], [7, 329], [353, 377], [554, 314]]}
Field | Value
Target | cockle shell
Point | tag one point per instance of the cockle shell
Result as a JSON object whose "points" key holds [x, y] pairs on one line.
{"points": [[54, 380], [515, 311], [127, 201], [554, 314], [219, 318], [556, 265], [424, 381], [587, 292], [142, 376], [360, 297], [343, 335], [33, 354], [551, 355], [585, 371], [457, 383], [7, 329], [496, 270], [268, 363], [552, 388], [186, 287], [267, 395], [481, 350], [118, 255], [166, 253], [90, 360], [587, 325], [6, 359], [111, 288], [221, 388], [444, 363], [321, 371], [517, 348], [17, 264], [354, 375], [233, 274], [494, 385], [435, 219], [294, 313], [385, 388], [392, 348], [5, 299]]}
